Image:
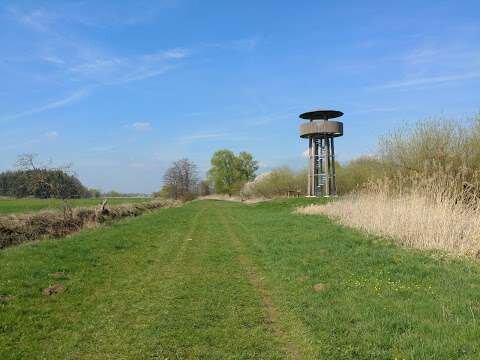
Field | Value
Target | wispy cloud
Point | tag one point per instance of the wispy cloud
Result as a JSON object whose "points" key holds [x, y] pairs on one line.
{"points": [[103, 148], [38, 20], [141, 126], [422, 81], [49, 106], [177, 53], [78, 60], [111, 70], [373, 110], [248, 44], [51, 135], [79, 13], [244, 44], [203, 136]]}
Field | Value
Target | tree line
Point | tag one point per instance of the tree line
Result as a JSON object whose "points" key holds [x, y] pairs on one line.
{"points": [[33, 179], [227, 175]]}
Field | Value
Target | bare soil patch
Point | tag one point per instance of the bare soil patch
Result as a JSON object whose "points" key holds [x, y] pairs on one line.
{"points": [[319, 287], [58, 275], [54, 289], [6, 298]]}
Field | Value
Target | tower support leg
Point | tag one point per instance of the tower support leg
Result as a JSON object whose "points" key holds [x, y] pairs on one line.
{"points": [[334, 177], [327, 166], [316, 171], [310, 167]]}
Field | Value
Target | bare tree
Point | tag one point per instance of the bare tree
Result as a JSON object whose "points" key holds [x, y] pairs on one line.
{"points": [[181, 179], [44, 177], [29, 161]]}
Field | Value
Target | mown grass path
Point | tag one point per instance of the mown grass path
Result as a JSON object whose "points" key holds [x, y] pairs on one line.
{"points": [[216, 280]]}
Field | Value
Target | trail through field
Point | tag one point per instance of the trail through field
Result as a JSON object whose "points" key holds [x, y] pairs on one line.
{"points": [[223, 280]]}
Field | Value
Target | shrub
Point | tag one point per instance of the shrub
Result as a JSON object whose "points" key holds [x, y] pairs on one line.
{"points": [[41, 183], [358, 172], [278, 182]]}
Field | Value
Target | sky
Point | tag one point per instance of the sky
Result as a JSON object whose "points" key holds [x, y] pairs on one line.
{"points": [[123, 88]]}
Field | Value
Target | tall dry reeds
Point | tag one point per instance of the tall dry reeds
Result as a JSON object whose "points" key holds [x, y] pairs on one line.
{"points": [[438, 211]]}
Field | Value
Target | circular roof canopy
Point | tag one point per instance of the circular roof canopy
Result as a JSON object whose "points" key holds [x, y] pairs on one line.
{"points": [[321, 114]]}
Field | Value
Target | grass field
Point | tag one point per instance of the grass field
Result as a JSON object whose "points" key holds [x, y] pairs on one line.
{"points": [[12, 206], [216, 280]]}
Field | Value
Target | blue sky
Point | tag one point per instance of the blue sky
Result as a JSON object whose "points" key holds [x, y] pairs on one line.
{"points": [[123, 88]]}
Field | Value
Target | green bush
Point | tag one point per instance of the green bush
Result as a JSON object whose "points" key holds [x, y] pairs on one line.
{"points": [[278, 182], [358, 172], [41, 183]]}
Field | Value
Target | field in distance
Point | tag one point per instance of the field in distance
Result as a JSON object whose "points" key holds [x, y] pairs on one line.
{"points": [[224, 280], [16, 206]]}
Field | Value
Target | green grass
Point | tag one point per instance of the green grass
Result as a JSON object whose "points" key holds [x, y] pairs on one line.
{"points": [[218, 280], [12, 206]]}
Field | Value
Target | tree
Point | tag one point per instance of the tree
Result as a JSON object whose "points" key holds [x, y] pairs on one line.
{"points": [[229, 172], [204, 188], [95, 193], [33, 178], [181, 179], [247, 166]]}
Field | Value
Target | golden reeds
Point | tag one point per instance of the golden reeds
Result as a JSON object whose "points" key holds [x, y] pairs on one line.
{"points": [[438, 211]]}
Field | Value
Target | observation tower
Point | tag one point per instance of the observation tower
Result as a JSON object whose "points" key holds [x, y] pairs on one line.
{"points": [[320, 132]]}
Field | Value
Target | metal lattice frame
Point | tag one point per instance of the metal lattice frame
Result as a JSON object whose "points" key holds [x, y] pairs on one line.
{"points": [[321, 151]]}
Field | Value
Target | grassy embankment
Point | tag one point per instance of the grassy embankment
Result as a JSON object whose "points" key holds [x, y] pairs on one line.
{"points": [[16, 206], [228, 280]]}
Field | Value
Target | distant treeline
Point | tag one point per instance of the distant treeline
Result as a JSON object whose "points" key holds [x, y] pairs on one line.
{"points": [[42, 183]]}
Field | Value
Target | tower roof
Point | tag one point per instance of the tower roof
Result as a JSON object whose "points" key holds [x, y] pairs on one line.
{"points": [[321, 114]]}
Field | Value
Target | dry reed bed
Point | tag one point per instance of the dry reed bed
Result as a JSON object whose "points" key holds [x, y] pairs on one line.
{"points": [[17, 229], [430, 214]]}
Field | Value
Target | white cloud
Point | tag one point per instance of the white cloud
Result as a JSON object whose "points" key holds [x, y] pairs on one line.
{"points": [[142, 126], [103, 148], [178, 53], [415, 82], [110, 70], [203, 136], [38, 20], [373, 110], [245, 44], [53, 60], [100, 14], [49, 106], [51, 135]]}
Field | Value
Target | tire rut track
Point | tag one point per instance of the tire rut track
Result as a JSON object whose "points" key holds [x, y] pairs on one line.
{"points": [[188, 236], [256, 280]]}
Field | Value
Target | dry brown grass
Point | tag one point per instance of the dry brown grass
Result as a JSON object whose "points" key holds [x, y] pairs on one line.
{"points": [[17, 229], [437, 212], [233, 198]]}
